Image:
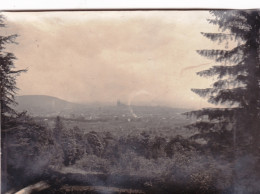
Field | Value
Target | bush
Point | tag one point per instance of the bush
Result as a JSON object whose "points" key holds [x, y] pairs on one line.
{"points": [[30, 150]]}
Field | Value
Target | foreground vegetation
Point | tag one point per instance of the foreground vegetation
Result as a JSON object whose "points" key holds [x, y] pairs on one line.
{"points": [[137, 161]]}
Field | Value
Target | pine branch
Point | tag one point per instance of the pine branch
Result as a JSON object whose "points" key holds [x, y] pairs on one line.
{"points": [[236, 81], [214, 113], [235, 21], [218, 36], [234, 55], [223, 70], [228, 96], [205, 92], [212, 54]]}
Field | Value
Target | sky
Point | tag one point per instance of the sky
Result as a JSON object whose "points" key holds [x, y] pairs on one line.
{"points": [[137, 57]]}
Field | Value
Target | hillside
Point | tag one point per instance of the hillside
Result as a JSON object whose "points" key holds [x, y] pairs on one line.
{"points": [[43, 105]]}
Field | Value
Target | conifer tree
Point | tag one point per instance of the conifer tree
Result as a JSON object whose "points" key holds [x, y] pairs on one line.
{"points": [[236, 127], [238, 77], [8, 89], [8, 76]]}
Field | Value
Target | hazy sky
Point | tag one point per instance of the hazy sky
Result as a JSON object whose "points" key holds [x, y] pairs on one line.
{"points": [[132, 56]]}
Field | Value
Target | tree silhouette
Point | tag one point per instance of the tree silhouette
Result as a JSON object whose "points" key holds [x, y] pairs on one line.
{"points": [[8, 89], [237, 86], [8, 76]]}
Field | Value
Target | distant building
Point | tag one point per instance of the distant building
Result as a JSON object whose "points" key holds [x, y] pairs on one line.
{"points": [[120, 104]]}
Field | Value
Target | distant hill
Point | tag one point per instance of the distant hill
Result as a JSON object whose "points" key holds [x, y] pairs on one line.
{"points": [[43, 105]]}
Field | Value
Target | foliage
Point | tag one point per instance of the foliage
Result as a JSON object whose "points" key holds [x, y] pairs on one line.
{"points": [[153, 161], [72, 146], [238, 78], [237, 89], [8, 75], [186, 165], [31, 150], [70, 141]]}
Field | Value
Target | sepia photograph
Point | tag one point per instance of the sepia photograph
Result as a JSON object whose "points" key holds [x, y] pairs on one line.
{"points": [[130, 101]]}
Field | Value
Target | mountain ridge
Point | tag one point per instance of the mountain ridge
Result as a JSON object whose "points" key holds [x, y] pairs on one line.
{"points": [[44, 105], [38, 104]]}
